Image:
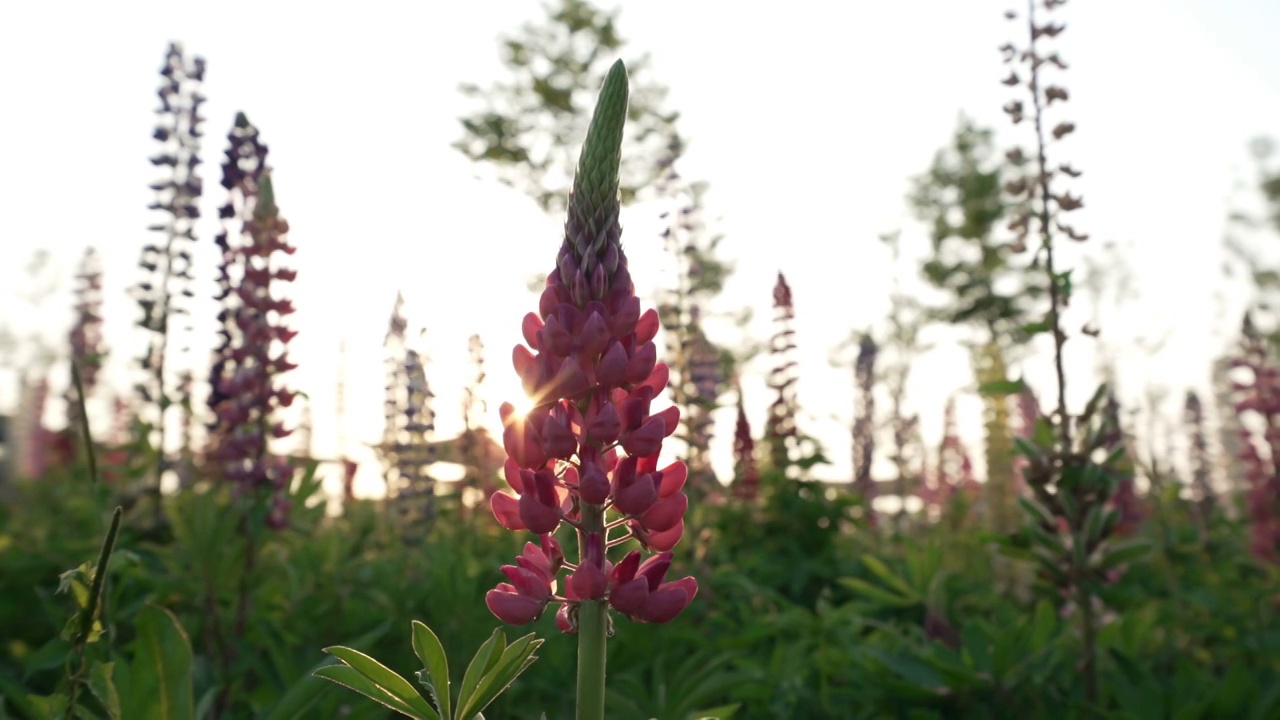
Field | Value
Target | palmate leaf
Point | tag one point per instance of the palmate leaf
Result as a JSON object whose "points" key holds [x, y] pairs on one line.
{"points": [[435, 666], [495, 666], [376, 682], [485, 658], [515, 659]]}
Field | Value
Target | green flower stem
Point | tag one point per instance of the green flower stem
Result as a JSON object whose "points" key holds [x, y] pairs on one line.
{"points": [[593, 631]]}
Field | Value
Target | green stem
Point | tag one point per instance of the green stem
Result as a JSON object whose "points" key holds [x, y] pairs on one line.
{"points": [[593, 631], [593, 619]]}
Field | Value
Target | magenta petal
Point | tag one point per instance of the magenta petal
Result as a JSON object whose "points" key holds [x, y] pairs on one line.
{"points": [[658, 379], [529, 328], [511, 608], [654, 569], [537, 517], [594, 335], [555, 338], [571, 380], [588, 582], [625, 571], [673, 478], [594, 486], [557, 440], [670, 600], [647, 326], [507, 510], [562, 621], [527, 582], [637, 497], [605, 425], [670, 420], [665, 513], [641, 363], [647, 440], [629, 598], [659, 541], [625, 317], [612, 368]]}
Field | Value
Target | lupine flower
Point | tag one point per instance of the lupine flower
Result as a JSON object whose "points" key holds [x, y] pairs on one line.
{"points": [[1026, 411], [864, 441], [167, 263], [1199, 455], [405, 451], [86, 333], [780, 426], [746, 475], [245, 392], [1132, 510], [1259, 396], [31, 439], [590, 444]]}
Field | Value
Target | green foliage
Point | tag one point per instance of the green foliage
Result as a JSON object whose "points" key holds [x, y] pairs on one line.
{"points": [[803, 612], [529, 124], [961, 199]]}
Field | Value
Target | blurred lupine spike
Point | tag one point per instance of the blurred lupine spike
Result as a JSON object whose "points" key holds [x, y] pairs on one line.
{"points": [[863, 429], [247, 393], [167, 265], [1200, 460], [780, 432], [85, 340], [590, 445], [1125, 499], [697, 276], [406, 452], [1257, 404], [746, 474]]}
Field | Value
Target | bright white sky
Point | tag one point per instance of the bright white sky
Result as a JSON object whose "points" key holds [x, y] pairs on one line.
{"points": [[807, 119]]}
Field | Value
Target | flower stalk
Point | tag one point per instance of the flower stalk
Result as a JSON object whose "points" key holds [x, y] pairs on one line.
{"points": [[586, 454]]}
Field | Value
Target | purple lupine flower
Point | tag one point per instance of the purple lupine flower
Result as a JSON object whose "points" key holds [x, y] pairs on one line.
{"points": [[167, 262], [1132, 509], [1259, 396], [86, 333], [253, 354], [746, 475], [405, 450], [780, 426], [590, 445]]}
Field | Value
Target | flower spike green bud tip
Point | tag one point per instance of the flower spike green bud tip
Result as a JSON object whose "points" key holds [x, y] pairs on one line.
{"points": [[592, 251]]}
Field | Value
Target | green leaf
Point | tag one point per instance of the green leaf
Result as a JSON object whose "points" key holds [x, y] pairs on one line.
{"points": [[1043, 623], [515, 659], [880, 570], [16, 694], [351, 678], [724, 712], [1000, 388], [488, 653], [1093, 523], [435, 665], [909, 669], [386, 684], [104, 688], [877, 593], [160, 677], [1036, 511], [1123, 553]]}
